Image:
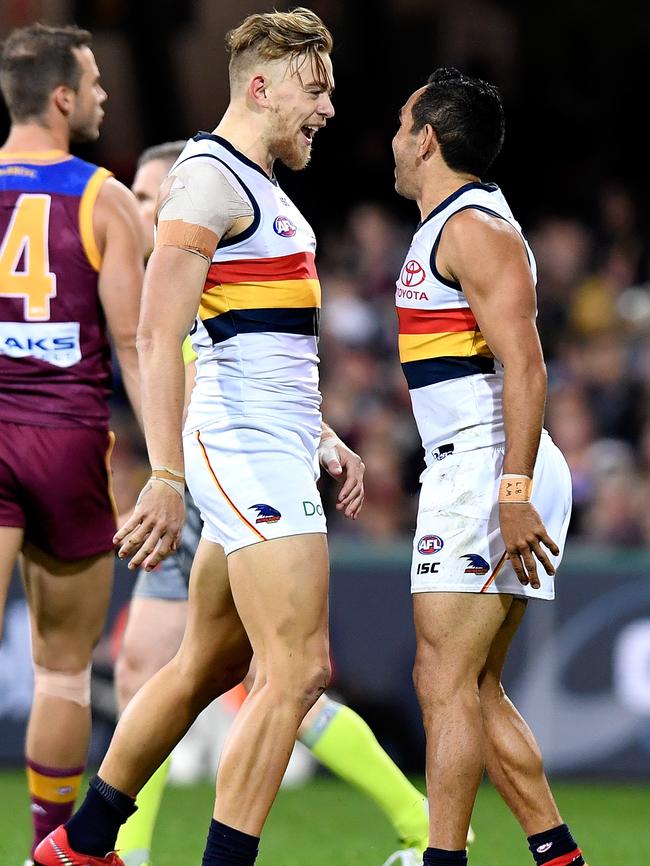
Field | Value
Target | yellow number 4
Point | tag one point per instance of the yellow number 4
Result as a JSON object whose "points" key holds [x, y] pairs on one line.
{"points": [[26, 238]]}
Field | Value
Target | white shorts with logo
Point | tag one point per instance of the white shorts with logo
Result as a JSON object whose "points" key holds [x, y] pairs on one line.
{"points": [[458, 545], [254, 480]]}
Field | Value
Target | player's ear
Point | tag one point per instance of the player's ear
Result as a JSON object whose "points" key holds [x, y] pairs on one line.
{"points": [[428, 142], [63, 98], [257, 89]]}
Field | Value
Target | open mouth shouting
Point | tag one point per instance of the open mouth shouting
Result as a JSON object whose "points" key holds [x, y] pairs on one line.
{"points": [[308, 133]]}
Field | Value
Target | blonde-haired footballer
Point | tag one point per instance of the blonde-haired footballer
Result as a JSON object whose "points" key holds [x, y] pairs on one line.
{"points": [[334, 733], [234, 264]]}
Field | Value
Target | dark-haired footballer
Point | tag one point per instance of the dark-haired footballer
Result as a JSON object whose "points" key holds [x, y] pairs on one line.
{"points": [[496, 492], [70, 272]]}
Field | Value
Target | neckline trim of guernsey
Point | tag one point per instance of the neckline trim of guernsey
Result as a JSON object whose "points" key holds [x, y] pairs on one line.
{"points": [[488, 187], [34, 155], [201, 136]]}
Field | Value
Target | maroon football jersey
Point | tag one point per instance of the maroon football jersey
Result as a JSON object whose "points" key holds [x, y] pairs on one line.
{"points": [[55, 360]]}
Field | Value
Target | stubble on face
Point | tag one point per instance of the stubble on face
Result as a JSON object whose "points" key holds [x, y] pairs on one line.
{"points": [[296, 108], [285, 142], [87, 116]]}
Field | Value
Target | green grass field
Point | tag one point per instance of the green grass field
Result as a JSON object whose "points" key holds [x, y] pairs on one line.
{"points": [[326, 823]]}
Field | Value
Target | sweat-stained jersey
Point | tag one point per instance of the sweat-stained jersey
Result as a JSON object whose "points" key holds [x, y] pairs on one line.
{"points": [[455, 382], [55, 366], [256, 333]]}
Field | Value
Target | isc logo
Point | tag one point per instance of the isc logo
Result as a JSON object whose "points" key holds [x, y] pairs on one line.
{"points": [[428, 567], [429, 544]]}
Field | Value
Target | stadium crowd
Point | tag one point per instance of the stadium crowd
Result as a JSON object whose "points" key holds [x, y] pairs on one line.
{"points": [[594, 315]]}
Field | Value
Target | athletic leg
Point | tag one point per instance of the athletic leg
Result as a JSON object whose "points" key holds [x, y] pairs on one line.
{"points": [[513, 759], [214, 656], [280, 588], [11, 541], [68, 604], [152, 637], [454, 633]]}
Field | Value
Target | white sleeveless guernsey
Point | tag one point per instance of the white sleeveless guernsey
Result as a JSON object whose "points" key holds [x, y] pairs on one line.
{"points": [[256, 333], [455, 382]]}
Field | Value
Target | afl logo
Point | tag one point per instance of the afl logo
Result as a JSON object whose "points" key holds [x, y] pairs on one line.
{"points": [[412, 273], [429, 544], [283, 226]]}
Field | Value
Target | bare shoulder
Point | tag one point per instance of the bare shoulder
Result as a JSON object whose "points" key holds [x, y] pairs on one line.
{"points": [[116, 210], [472, 229], [115, 197]]}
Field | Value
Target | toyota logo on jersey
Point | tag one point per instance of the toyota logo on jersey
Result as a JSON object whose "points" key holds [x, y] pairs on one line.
{"points": [[283, 226], [412, 273]]}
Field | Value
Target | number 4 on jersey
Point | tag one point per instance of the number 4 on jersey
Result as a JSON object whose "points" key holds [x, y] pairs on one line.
{"points": [[25, 245]]}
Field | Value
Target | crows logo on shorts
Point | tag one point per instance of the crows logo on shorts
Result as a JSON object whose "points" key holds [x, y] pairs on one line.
{"points": [[477, 565], [266, 513]]}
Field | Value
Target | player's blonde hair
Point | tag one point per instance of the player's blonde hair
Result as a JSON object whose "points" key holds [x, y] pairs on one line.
{"points": [[297, 35]]}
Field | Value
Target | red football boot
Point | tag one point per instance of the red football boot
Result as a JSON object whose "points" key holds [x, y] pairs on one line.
{"points": [[55, 850]]}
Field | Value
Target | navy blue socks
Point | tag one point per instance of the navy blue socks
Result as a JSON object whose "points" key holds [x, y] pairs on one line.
{"points": [[440, 857], [229, 847], [555, 846], [93, 828]]}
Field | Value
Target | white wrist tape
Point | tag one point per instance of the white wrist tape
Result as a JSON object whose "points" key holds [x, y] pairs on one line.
{"points": [[178, 486]]}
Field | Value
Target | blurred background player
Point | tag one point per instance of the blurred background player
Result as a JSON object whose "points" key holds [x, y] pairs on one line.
{"points": [[335, 734], [472, 358], [70, 266]]}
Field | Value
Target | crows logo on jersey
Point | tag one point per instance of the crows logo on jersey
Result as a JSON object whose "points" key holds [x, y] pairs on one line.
{"points": [[477, 565], [265, 513]]}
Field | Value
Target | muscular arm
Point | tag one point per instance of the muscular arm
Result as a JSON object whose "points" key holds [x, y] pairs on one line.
{"points": [[117, 225], [193, 215], [487, 256], [172, 291]]}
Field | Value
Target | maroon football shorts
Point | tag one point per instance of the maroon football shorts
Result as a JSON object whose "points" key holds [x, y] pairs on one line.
{"points": [[55, 484]]}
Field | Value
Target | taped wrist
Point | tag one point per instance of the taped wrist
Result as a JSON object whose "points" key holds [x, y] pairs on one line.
{"points": [[178, 486], [515, 488]]}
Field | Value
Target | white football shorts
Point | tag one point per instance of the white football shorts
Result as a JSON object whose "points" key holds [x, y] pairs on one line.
{"points": [[458, 545], [254, 480]]}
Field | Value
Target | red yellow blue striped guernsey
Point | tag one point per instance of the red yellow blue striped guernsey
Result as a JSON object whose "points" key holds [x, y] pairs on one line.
{"points": [[256, 333], [455, 382]]}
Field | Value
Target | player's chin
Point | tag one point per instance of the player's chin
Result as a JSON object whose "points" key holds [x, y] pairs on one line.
{"points": [[85, 136]]}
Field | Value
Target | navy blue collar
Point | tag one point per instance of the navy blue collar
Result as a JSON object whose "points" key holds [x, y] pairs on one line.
{"points": [[201, 136], [476, 184]]}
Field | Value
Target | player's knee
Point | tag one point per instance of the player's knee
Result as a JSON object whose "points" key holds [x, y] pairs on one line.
{"points": [[439, 680], [132, 671], [68, 686], [316, 680], [204, 682], [307, 683], [60, 654], [491, 693]]}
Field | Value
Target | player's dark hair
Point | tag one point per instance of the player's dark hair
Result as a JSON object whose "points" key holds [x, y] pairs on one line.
{"points": [[169, 150], [33, 61], [467, 116]]}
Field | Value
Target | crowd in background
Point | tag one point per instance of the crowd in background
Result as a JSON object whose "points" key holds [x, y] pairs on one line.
{"points": [[594, 319], [570, 124]]}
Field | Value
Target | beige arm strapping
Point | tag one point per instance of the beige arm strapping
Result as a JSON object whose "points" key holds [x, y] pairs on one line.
{"points": [[200, 207]]}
